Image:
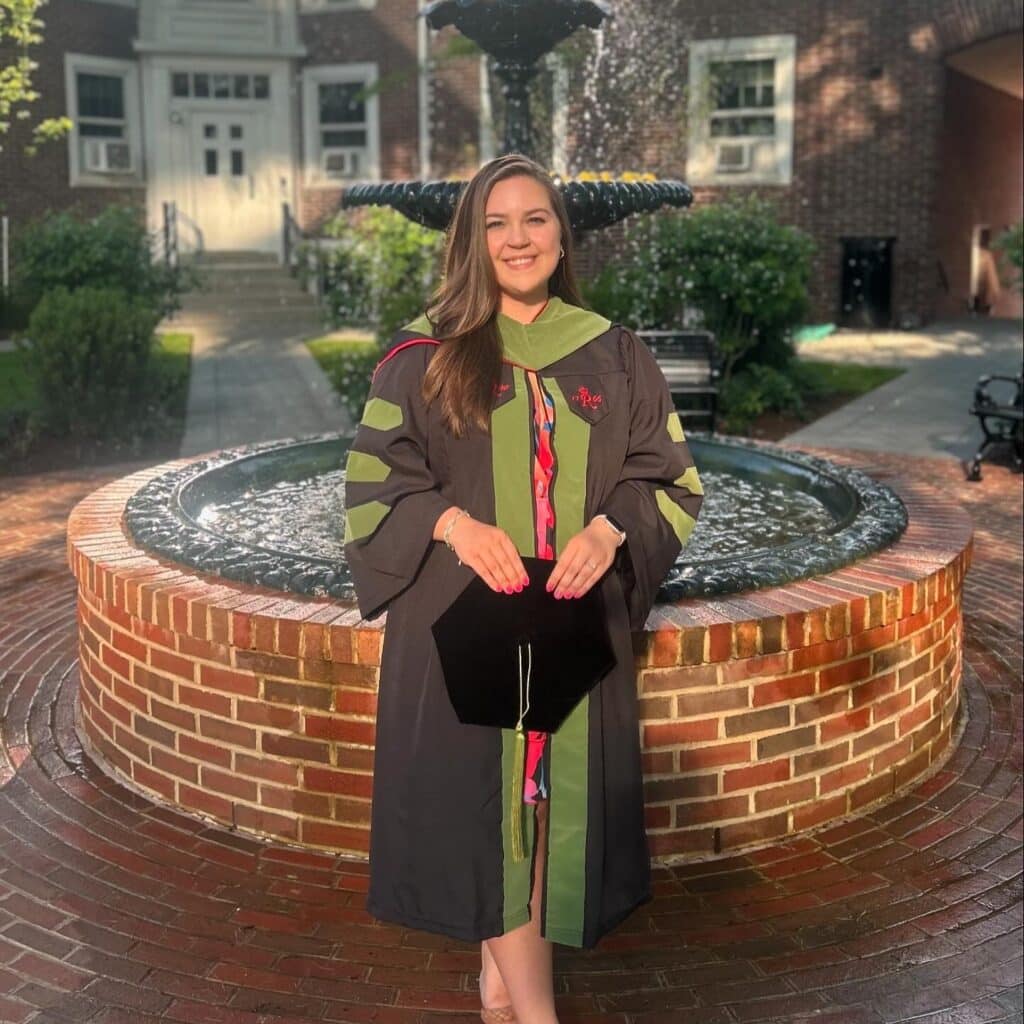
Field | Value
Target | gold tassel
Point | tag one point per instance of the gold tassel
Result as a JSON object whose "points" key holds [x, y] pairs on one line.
{"points": [[518, 851]]}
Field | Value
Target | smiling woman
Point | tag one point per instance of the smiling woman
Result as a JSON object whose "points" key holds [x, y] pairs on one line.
{"points": [[509, 422]]}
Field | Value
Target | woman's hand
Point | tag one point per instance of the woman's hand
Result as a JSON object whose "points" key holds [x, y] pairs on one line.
{"points": [[583, 561], [488, 551]]}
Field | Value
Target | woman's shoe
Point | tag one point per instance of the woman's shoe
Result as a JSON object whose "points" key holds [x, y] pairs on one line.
{"points": [[497, 1014]]}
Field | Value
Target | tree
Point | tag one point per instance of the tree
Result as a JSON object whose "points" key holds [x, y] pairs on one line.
{"points": [[20, 28]]}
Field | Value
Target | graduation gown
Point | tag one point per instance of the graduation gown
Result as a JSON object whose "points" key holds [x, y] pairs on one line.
{"points": [[440, 848]]}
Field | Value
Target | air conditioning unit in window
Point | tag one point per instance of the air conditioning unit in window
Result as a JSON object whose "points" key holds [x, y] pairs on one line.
{"points": [[341, 163], [732, 157], [106, 156]]}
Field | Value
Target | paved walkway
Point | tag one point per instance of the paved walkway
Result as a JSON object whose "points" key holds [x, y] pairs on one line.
{"points": [[923, 411], [255, 382], [115, 910]]}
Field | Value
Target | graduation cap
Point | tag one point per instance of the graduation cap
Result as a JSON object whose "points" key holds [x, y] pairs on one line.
{"points": [[523, 660]]}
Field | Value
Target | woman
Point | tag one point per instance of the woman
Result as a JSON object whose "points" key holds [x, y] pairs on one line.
{"points": [[509, 421]]}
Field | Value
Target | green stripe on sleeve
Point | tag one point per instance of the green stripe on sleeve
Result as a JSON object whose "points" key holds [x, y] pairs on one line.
{"points": [[682, 522], [675, 427], [381, 414], [361, 467], [362, 520], [690, 481]]}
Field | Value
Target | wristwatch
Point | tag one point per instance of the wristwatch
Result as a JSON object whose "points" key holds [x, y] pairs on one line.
{"points": [[615, 525]]}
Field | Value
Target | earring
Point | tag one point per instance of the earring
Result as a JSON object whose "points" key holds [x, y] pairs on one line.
{"points": [[561, 255]]}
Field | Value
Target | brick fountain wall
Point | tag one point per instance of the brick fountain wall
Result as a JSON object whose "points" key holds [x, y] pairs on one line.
{"points": [[762, 714]]}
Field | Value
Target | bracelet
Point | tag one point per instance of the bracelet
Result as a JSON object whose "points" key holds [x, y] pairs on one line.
{"points": [[620, 534], [448, 529]]}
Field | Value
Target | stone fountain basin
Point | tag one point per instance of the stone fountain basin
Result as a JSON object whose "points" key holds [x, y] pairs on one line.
{"points": [[763, 714], [171, 516]]}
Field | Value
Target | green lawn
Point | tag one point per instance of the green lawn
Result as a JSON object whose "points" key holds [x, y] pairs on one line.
{"points": [[348, 364], [329, 352], [822, 378]]}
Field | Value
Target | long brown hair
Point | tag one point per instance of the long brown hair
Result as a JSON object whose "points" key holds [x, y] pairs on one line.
{"points": [[466, 369]]}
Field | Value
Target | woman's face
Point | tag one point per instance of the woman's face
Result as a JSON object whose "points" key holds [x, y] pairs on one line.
{"points": [[523, 237]]}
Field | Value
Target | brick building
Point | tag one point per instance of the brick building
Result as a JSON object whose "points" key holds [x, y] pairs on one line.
{"points": [[229, 108], [890, 132]]}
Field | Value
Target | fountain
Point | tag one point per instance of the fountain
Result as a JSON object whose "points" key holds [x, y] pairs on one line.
{"points": [[802, 662], [517, 34]]}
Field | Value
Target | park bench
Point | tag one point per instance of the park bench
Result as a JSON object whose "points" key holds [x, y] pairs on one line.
{"points": [[689, 361], [1001, 422]]}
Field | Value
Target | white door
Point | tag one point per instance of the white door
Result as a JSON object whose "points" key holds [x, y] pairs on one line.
{"points": [[234, 203]]}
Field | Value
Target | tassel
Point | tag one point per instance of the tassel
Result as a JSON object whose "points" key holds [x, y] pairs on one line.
{"points": [[518, 850], [519, 767]]}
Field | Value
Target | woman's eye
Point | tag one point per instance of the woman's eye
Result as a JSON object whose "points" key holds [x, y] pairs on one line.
{"points": [[494, 224], [538, 220]]}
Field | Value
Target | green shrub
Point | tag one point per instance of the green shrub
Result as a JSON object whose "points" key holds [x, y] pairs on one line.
{"points": [[112, 250], [1010, 245], [87, 353], [757, 389], [742, 272], [382, 271]]}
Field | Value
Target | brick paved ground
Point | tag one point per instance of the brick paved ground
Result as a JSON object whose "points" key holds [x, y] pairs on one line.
{"points": [[116, 911]]}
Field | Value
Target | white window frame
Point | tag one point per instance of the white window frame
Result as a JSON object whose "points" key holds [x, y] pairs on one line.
{"points": [[329, 74], [128, 71], [771, 160]]}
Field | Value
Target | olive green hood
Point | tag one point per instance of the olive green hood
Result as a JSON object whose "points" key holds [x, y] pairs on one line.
{"points": [[559, 330]]}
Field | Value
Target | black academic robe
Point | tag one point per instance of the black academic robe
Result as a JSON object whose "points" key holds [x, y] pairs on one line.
{"points": [[441, 855]]}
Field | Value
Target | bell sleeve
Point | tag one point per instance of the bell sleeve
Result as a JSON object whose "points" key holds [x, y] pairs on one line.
{"points": [[392, 499], [658, 494]]}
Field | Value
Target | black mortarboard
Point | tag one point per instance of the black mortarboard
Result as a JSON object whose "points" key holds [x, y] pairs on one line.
{"points": [[498, 648]]}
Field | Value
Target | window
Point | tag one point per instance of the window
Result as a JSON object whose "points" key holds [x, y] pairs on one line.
{"points": [[340, 123], [202, 85], [741, 113], [102, 98]]}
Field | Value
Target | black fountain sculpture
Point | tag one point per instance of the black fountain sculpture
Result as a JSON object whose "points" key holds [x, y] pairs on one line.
{"points": [[517, 34]]}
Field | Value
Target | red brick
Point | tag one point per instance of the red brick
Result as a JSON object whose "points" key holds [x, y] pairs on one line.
{"points": [[786, 688], [756, 775], [783, 796], [676, 733]]}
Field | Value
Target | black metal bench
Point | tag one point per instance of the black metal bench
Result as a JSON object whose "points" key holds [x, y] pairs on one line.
{"points": [[689, 361], [1001, 422]]}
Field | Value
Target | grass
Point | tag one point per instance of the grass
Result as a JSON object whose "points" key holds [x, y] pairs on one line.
{"points": [[821, 379], [348, 363], [172, 355]]}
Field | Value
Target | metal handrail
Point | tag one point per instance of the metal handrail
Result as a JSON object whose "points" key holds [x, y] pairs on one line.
{"points": [[292, 236]]}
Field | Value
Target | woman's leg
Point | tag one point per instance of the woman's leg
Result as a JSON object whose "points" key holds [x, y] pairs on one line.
{"points": [[522, 956]]}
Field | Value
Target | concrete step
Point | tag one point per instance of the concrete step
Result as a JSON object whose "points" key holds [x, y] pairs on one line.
{"points": [[222, 256], [260, 274], [251, 321], [241, 302]]}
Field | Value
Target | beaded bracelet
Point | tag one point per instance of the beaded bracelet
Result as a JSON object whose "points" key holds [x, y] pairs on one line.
{"points": [[448, 530]]}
